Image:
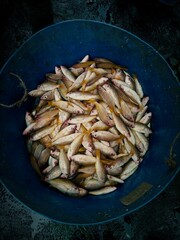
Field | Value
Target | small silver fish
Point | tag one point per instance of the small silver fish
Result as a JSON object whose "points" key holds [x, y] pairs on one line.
{"points": [[64, 164], [67, 187], [104, 190]]}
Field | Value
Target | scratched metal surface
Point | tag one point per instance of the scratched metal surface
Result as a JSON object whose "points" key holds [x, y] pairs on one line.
{"points": [[160, 219]]}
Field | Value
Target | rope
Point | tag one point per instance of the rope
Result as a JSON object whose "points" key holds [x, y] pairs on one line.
{"points": [[19, 102]]}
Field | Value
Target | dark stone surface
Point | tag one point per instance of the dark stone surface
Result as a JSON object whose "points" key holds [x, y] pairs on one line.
{"points": [[156, 23]]}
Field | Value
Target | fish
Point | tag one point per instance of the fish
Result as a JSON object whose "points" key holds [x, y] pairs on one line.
{"points": [[35, 165], [87, 142], [64, 164], [38, 107], [63, 90], [89, 130], [58, 71], [129, 169], [64, 132], [37, 135], [44, 156], [105, 143], [142, 128], [132, 95], [46, 141], [103, 115], [54, 173], [120, 75], [65, 139], [47, 170], [99, 167], [100, 71], [111, 91], [129, 80], [106, 97], [104, 149], [126, 111], [63, 116], [98, 59], [115, 167], [83, 159], [66, 106], [99, 125], [144, 141], [78, 82], [67, 187], [132, 150], [57, 95], [113, 130], [145, 101], [38, 150], [138, 86], [99, 81], [42, 122], [52, 161], [49, 114], [121, 127], [53, 77], [138, 142], [146, 118], [74, 146], [55, 153], [81, 105], [91, 184], [82, 96], [43, 110], [80, 119], [127, 122], [78, 71], [28, 118], [141, 113], [90, 169], [115, 179], [105, 135], [68, 74], [109, 65], [83, 64], [89, 79], [104, 190], [131, 138], [73, 169], [36, 93], [47, 86], [48, 95], [118, 83], [55, 131]]}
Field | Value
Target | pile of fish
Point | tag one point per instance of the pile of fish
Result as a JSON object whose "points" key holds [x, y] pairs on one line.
{"points": [[90, 128]]}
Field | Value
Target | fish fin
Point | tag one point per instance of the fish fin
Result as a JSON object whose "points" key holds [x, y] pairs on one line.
{"points": [[88, 132], [98, 154], [50, 103], [84, 82], [113, 110], [49, 144], [92, 101]]}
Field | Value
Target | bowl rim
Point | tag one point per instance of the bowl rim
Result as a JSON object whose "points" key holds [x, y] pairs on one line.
{"points": [[85, 20]]}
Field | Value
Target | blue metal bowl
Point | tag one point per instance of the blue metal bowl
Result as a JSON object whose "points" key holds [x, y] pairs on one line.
{"points": [[66, 43]]}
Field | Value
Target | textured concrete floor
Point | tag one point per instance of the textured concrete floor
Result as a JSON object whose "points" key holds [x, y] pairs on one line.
{"points": [[158, 220], [154, 22]]}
